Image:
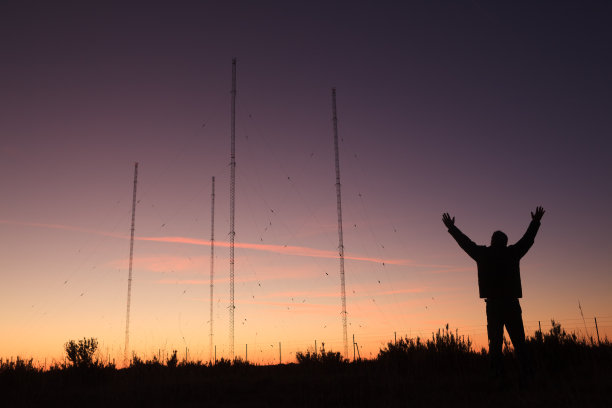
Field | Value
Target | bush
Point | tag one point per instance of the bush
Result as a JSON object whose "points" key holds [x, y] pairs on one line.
{"points": [[445, 350], [18, 365], [321, 358], [441, 342], [173, 360], [558, 350], [81, 353]]}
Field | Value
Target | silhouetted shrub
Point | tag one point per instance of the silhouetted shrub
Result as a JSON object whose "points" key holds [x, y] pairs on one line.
{"points": [[81, 353], [321, 358], [557, 350], [19, 364], [173, 360], [239, 362], [443, 341], [222, 362], [444, 350]]}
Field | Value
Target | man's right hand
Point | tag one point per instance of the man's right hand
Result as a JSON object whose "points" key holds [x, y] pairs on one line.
{"points": [[447, 220], [538, 214]]}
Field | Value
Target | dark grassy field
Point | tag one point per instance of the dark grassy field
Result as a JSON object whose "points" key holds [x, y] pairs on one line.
{"points": [[441, 371]]}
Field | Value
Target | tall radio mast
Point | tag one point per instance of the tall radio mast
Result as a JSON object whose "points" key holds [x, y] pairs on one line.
{"points": [[340, 234], [232, 206], [129, 292], [212, 263]]}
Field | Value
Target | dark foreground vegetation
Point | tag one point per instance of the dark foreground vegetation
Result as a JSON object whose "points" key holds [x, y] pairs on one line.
{"points": [[441, 371]]}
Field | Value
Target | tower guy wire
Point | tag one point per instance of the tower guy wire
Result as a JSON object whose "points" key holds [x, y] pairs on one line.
{"points": [[340, 233], [212, 263], [129, 291], [232, 233]]}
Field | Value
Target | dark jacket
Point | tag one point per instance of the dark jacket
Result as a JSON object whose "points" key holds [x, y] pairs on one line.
{"points": [[498, 268]]}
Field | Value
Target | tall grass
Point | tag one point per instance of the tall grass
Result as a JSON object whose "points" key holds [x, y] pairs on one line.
{"points": [[445, 350], [443, 369], [556, 351]]}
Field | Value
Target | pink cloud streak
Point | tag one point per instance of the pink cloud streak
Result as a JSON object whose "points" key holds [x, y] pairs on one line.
{"points": [[281, 249]]}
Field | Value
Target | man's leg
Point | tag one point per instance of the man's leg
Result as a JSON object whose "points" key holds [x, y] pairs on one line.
{"points": [[495, 332], [513, 317], [516, 331]]}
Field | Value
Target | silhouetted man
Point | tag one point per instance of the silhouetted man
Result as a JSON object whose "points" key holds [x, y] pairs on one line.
{"points": [[499, 283]]}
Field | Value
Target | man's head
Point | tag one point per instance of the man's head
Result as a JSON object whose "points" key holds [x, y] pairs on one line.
{"points": [[499, 240]]}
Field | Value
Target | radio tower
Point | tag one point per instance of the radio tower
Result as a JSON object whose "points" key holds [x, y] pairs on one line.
{"points": [[232, 206], [129, 293], [212, 263], [340, 235]]}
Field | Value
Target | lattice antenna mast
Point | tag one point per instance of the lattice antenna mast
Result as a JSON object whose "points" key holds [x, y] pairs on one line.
{"points": [[232, 206], [129, 291], [340, 234], [212, 263]]}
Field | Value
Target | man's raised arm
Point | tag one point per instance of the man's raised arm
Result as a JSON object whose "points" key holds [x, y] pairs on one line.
{"points": [[527, 240], [464, 242]]}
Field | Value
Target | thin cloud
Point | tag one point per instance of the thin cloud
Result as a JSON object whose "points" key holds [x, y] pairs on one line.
{"points": [[454, 270], [165, 263], [295, 307], [403, 291], [202, 281], [61, 227], [280, 249], [299, 295], [183, 282]]}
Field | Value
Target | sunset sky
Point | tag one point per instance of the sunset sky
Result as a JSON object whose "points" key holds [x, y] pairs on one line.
{"points": [[483, 111]]}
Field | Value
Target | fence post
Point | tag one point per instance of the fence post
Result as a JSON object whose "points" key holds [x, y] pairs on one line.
{"points": [[280, 355], [597, 330]]}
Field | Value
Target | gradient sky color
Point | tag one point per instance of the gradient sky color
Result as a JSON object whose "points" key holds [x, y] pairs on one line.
{"points": [[484, 111]]}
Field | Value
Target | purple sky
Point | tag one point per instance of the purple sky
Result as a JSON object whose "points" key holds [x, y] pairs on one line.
{"points": [[481, 110]]}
